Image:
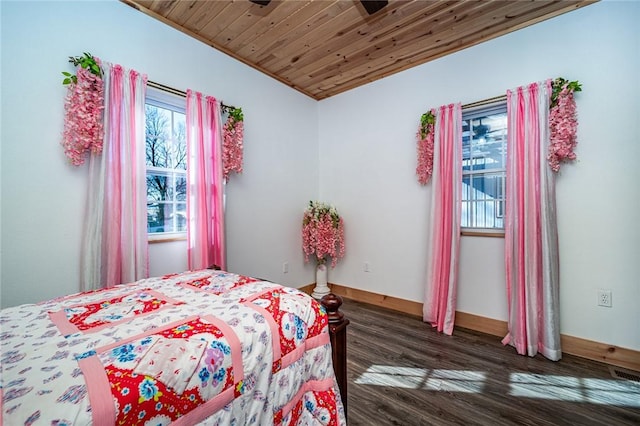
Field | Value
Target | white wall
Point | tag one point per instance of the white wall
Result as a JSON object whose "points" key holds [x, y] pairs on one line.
{"points": [[43, 197], [368, 158]]}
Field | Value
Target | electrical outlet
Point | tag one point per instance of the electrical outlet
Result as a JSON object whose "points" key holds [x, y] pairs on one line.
{"points": [[366, 267], [604, 298], [285, 267]]}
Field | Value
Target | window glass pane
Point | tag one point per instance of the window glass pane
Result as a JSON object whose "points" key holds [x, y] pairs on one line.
{"points": [[466, 187], [477, 188], [171, 190], [496, 140], [156, 186], [181, 188], [165, 127], [466, 145], [480, 215], [491, 185], [494, 156], [181, 217], [466, 215], [483, 167], [167, 210], [158, 129], [155, 218], [175, 185], [179, 139], [477, 138], [166, 217], [485, 216]]}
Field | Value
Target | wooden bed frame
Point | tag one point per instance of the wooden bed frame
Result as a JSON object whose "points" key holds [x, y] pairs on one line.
{"points": [[338, 335]]}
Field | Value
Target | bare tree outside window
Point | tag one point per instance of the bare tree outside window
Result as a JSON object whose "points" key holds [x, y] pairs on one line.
{"points": [[166, 169]]}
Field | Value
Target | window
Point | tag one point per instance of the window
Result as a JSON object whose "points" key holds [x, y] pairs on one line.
{"points": [[166, 159], [484, 149]]}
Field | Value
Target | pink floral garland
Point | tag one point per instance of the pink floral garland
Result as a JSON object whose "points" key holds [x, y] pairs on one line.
{"points": [[322, 233], [425, 136], [232, 147], [83, 127], [563, 123]]}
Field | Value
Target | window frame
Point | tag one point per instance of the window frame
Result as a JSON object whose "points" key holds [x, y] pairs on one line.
{"points": [[470, 113], [162, 99]]}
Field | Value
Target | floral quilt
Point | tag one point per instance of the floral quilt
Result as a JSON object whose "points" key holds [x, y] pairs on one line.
{"points": [[201, 347]]}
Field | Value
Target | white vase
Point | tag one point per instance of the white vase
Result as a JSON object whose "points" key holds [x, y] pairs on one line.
{"points": [[321, 288]]}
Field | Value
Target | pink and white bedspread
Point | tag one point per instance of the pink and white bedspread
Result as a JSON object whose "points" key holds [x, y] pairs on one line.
{"points": [[202, 347]]}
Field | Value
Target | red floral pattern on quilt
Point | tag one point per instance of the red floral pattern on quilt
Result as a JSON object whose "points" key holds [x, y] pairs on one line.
{"points": [[321, 405], [321, 322], [140, 398], [325, 409], [219, 283], [292, 329], [104, 312]]}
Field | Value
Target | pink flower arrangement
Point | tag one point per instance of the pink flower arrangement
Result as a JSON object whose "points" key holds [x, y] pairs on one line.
{"points": [[563, 123], [425, 136], [322, 233], [232, 143], [83, 126]]}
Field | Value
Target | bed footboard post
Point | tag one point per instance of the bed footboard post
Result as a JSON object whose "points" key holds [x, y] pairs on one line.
{"points": [[338, 335]]}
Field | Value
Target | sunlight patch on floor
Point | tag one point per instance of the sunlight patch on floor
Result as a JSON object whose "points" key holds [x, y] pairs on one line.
{"points": [[421, 378], [539, 386], [575, 389]]}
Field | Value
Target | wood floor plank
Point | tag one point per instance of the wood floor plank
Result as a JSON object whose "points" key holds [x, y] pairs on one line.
{"points": [[402, 372]]}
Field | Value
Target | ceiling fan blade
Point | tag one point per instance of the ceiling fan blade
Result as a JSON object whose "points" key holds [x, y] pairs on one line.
{"points": [[373, 6], [261, 2]]}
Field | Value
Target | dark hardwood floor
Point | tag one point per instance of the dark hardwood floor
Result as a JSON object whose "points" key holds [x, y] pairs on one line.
{"points": [[401, 372]]}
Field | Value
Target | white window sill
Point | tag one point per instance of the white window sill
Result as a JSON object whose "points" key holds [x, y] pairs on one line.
{"points": [[167, 237]]}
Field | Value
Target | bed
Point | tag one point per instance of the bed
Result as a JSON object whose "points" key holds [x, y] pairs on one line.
{"points": [[200, 347]]}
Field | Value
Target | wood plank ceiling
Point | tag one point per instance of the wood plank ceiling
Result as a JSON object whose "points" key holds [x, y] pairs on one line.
{"points": [[323, 48]]}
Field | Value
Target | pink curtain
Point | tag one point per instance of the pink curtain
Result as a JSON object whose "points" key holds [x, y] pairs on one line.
{"points": [[205, 225], [531, 236], [115, 240], [442, 273]]}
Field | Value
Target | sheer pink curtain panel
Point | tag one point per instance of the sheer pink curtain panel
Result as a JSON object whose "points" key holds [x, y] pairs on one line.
{"points": [[444, 246], [205, 212], [531, 235], [115, 246]]}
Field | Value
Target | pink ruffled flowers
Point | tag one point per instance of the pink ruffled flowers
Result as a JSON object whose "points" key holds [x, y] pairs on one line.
{"points": [[232, 144], [83, 126], [425, 136], [563, 124], [322, 233]]}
